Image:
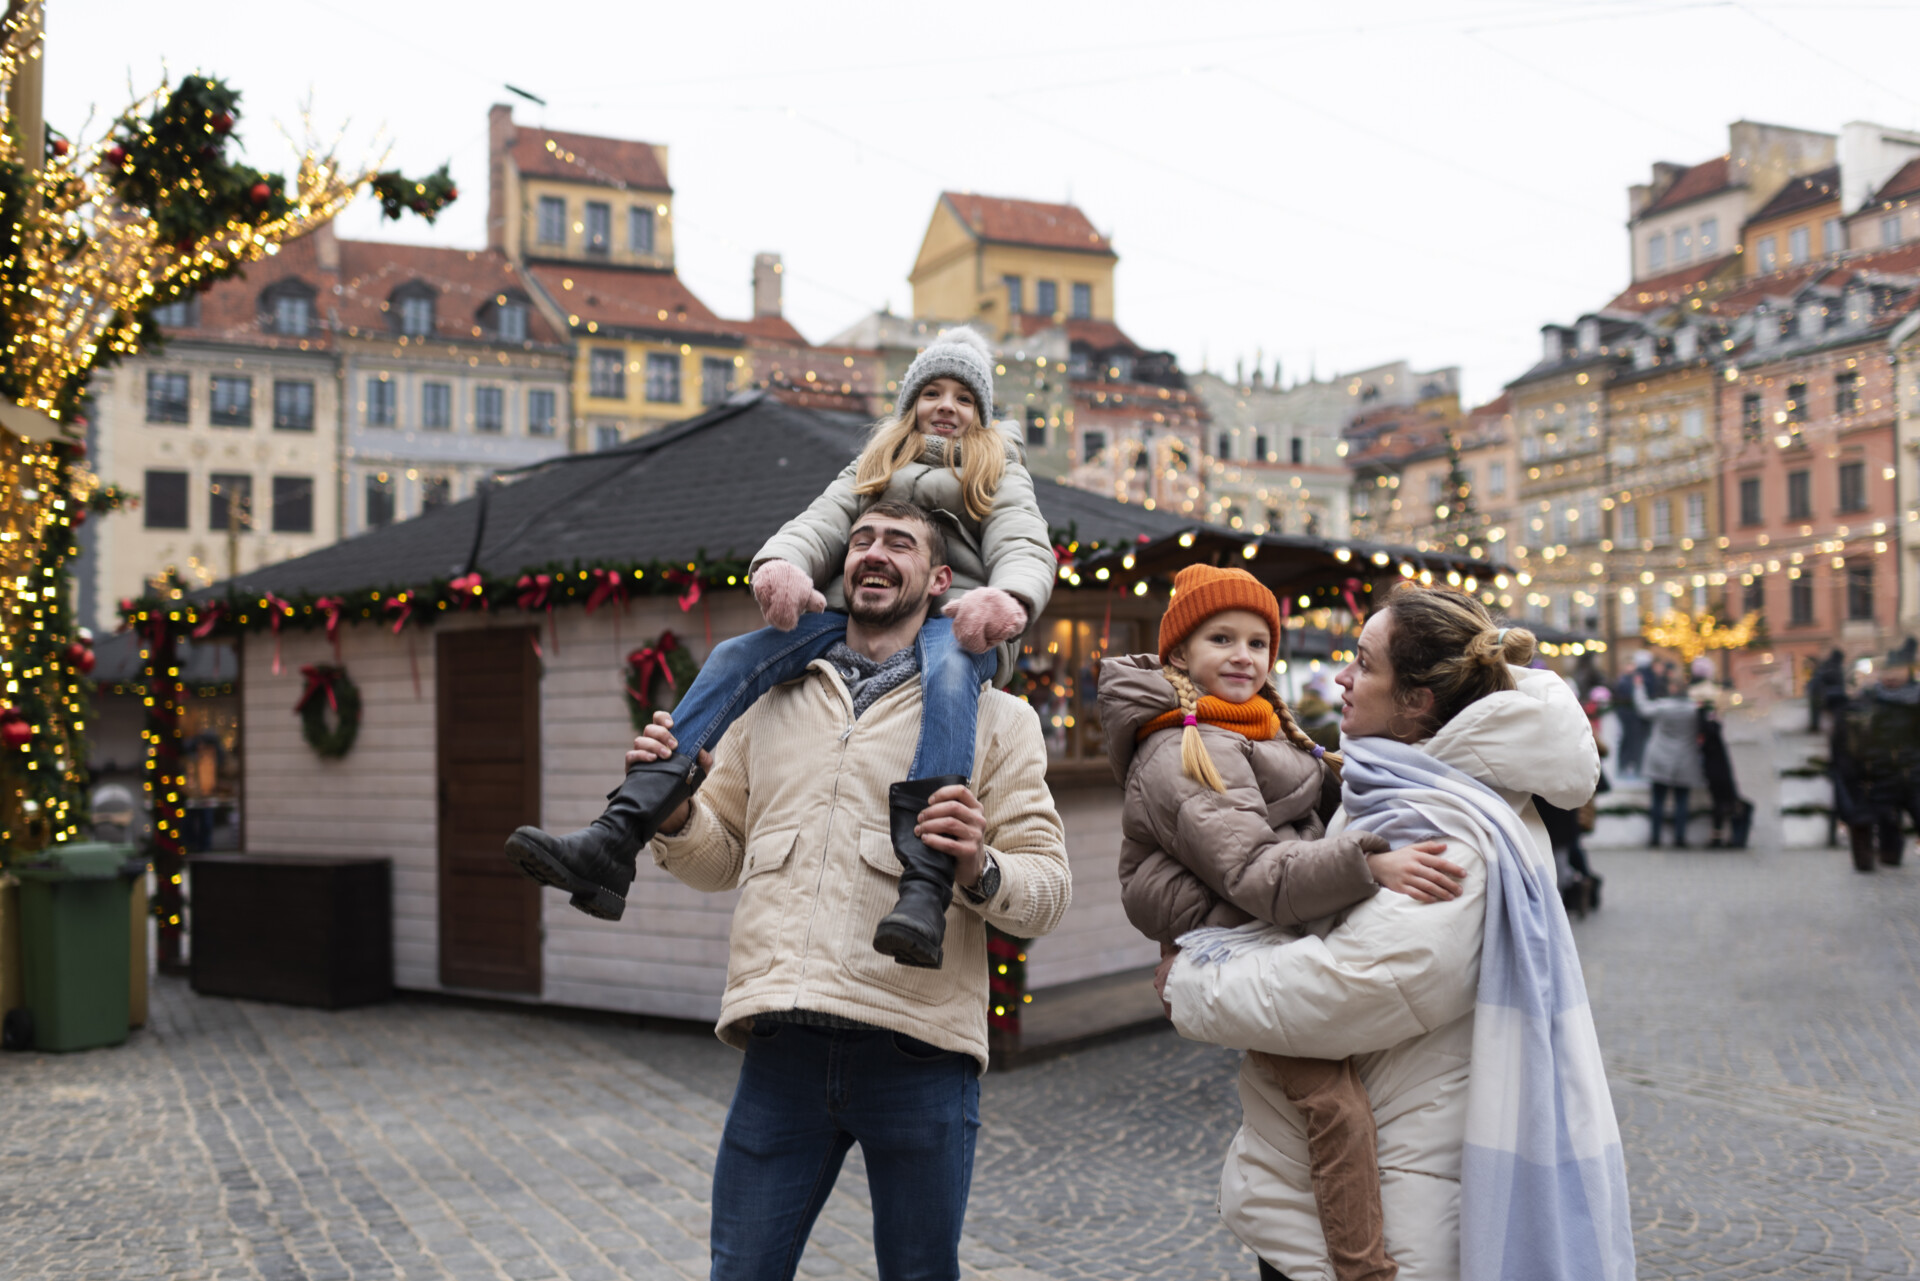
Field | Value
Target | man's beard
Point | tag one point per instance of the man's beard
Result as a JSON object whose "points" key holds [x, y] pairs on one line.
{"points": [[907, 604]]}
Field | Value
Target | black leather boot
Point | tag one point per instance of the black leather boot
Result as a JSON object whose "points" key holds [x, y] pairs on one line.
{"points": [[913, 932], [595, 864]]}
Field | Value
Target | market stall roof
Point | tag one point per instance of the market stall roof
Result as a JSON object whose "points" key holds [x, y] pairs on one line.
{"points": [[1286, 563]]}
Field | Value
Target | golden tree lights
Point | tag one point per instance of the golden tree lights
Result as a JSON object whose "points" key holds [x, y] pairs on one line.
{"points": [[1692, 637]]}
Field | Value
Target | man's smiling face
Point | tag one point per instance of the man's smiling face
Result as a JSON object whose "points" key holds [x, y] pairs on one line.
{"points": [[889, 574]]}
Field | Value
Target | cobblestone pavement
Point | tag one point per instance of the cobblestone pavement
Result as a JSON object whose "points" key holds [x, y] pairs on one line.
{"points": [[1756, 1010]]}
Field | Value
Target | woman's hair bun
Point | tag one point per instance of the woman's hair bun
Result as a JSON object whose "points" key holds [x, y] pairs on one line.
{"points": [[1515, 646]]}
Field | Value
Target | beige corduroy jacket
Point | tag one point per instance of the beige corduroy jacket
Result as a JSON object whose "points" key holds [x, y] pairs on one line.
{"points": [[795, 815]]}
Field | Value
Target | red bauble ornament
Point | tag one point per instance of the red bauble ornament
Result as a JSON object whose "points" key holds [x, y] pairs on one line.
{"points": [[223, 122], [14, 730], [116, 155], [79, 517], [453, 193], [261, 193], [61, 147], [81, 657]]}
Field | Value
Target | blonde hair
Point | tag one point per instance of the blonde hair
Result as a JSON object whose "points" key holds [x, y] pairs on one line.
{"points": [[898, 440], [1443, 640], [1197, 764]]}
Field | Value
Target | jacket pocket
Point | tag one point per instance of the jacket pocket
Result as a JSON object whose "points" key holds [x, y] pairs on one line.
{"points": [[876, 890], [754, 939]]}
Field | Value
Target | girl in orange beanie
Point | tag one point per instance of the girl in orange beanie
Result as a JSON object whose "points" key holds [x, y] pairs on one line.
{"points": [[1224, 823]]}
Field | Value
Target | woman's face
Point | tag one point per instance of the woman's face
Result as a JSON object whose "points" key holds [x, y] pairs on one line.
{"points": [[1228, 655], [945, 408], [1367, 705]]}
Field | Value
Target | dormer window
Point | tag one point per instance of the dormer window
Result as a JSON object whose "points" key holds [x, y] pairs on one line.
{"points": [[412, 308], [1686, 344], [1643, 352], [640, 230], [1813, 319], [1552, 347], [1589, 337], [286, 308], [505, 318]]}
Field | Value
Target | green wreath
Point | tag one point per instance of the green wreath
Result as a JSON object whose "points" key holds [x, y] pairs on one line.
{"points": [[329, 688], [665, 662]]}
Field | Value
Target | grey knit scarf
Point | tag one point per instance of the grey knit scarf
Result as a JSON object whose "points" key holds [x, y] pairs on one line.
{"points": [[868, 681]]}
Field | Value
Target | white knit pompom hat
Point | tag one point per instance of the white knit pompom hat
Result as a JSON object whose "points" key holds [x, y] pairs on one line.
{"points": [[959, 353]]}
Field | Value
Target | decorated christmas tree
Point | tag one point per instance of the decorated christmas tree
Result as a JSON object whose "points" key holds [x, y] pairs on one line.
{"points": [[98, 235]]}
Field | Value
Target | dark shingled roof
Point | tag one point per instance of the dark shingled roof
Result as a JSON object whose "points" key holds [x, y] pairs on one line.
{"points": [[718, 485]]}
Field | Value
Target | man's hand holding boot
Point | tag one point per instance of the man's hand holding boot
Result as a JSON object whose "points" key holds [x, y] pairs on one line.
{"points": [[657, 743], [955, 824]]}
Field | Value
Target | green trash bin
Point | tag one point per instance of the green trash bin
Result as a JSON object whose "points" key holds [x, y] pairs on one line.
{"points": [[74, 944]]}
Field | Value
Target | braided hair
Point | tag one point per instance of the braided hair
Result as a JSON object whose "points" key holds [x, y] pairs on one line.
{"points": [[1197, 765]]}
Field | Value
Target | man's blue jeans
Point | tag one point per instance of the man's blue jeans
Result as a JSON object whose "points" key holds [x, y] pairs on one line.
{"points": [[743, 668], [806, 1095]]}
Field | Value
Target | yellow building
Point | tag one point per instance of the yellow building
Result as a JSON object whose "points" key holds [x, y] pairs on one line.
{"points": [[590, 221], [1801, 223], [1012, 263]]}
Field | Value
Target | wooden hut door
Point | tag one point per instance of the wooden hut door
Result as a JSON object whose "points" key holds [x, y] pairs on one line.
{"points": [[488, 692]]}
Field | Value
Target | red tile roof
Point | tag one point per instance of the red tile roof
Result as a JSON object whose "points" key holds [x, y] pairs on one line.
{"points": [[1905, 182], [771, 329], [581, 157], [647, 300], [1805, 192], [1027, 222], [464, 280], [1703, 179], [1665, 290], [1101, 335], [230, 311]]}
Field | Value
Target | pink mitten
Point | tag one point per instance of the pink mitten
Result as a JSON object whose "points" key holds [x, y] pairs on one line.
{"points": [[984, 617], [785, 591]]}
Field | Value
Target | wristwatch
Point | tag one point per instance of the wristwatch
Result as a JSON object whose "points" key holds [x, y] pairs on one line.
{"points": [[988, 885]]}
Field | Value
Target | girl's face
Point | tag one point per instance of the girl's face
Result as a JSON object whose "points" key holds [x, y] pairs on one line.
{"points": [[945, 408], [1228, 655], [1368, 707]]}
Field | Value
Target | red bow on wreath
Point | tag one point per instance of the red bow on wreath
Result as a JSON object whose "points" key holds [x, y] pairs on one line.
{"points": [[535, 591], [689, 580], [319, 681], [330, 607], [209, 620], [404, 608], [650, 661]]}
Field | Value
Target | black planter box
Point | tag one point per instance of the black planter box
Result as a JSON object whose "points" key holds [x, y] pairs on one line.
{"points": [[293, 928]]}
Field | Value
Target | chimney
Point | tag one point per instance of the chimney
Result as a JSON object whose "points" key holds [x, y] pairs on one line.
{"points": [[767, 270], [326, 247], [499, 138]]}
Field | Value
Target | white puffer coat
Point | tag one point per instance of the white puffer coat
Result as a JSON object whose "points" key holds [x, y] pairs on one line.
{"points": [[1393, 983]]}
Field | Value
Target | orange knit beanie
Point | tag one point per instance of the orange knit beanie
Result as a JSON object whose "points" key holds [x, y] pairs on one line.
{"points": [[1201, 591]]}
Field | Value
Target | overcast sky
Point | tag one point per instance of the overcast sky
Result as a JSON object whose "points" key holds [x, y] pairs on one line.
{"points": [[1335, 184]]}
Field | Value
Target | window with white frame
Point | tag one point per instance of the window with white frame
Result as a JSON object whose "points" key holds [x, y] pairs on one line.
{"points": [[1012, 285], [1833, 236], [540, 410], [436, 406], [640, 230], [1662, 521], [1046, 297], [599, 222], [230, 401], [1657, 250], [292, 404], [553, 220], [1693, 423], [1799, 246], [663, 377], [1709, 238], [380, 400], [1628, 519], [605, 436], [716, 379], [1682, 244], [607, 373], [1769, 251], [510, 321], [1696, 515], [1496, 479], [1890, 229], [1083, 302], [489, 410], [416, 313]]}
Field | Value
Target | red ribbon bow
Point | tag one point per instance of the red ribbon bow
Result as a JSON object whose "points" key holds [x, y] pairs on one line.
{"points": [[319, 680], [404, 608], [535, 591], [609, 585], [209, 620], [330, 607], [649, 661], [691, 582], [276, 610], [467, 588]]}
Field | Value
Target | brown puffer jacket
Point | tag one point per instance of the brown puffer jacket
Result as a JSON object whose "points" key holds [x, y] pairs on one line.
{"points": [[1191, 856]]}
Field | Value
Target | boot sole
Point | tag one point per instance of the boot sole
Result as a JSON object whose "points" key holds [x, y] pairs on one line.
{"points": [[897, 938], [526, 852]]}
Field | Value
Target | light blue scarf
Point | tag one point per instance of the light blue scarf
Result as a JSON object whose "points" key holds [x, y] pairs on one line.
{"points": [[1543, 1185]]}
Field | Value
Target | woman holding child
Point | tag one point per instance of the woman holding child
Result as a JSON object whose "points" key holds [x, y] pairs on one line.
{"points": [[1411, 954]]}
